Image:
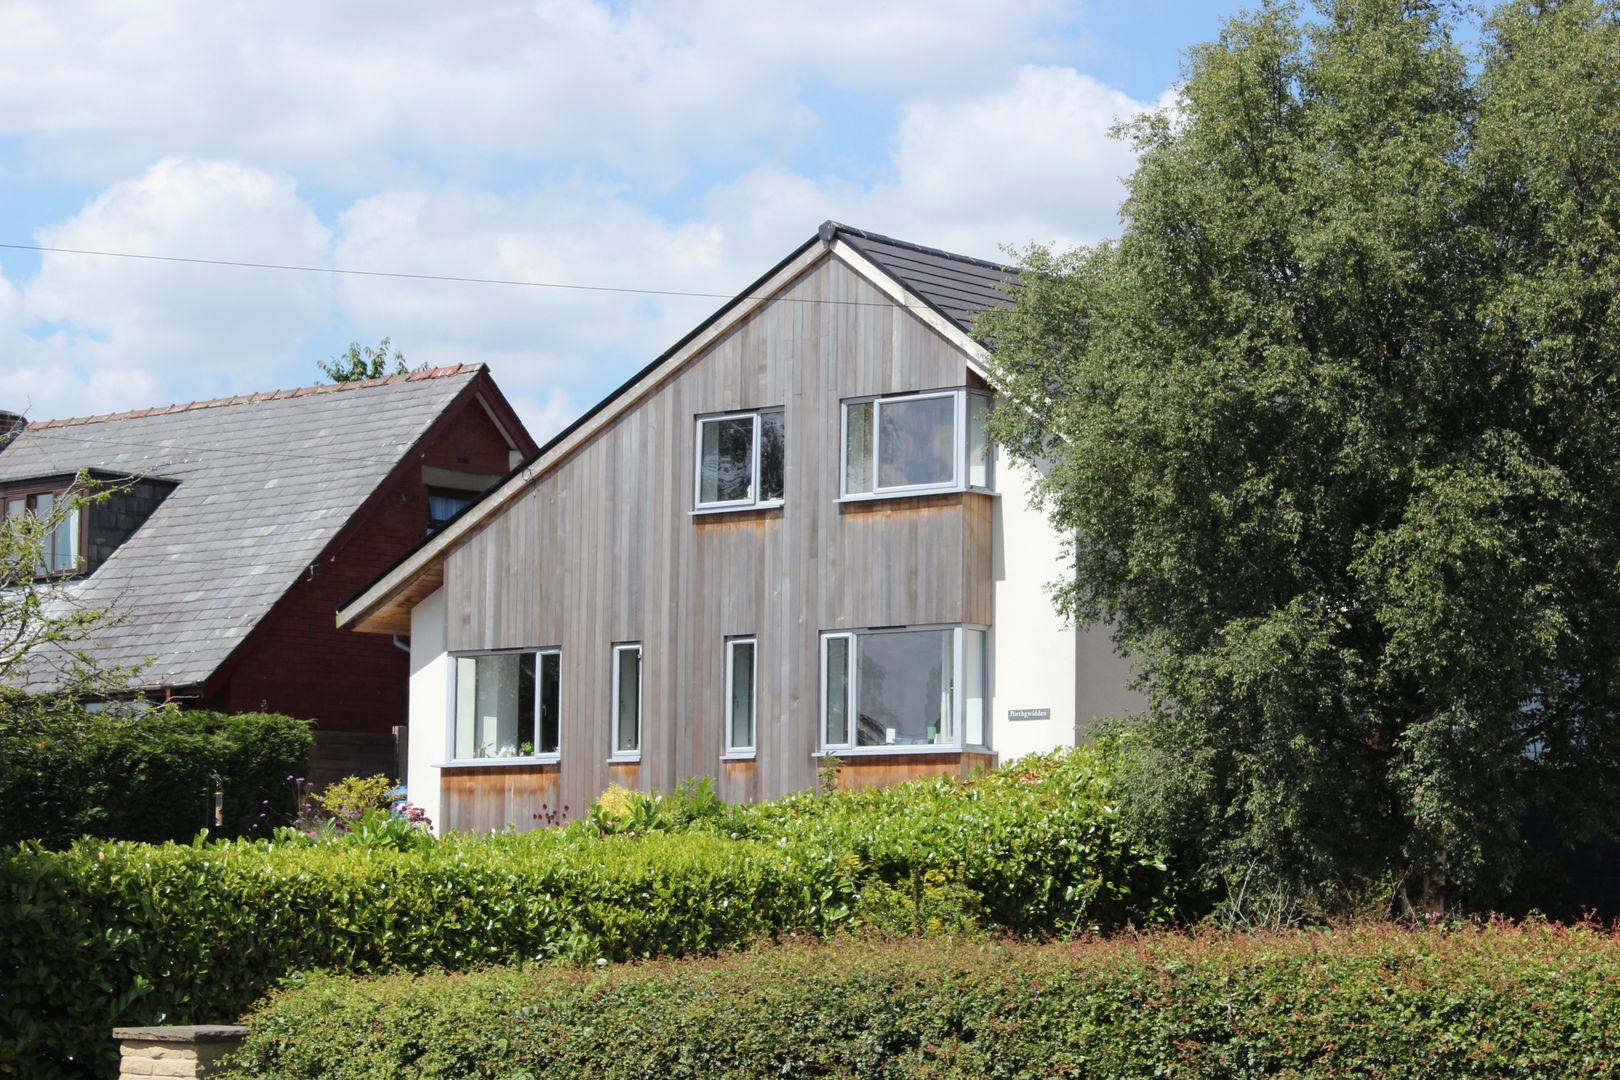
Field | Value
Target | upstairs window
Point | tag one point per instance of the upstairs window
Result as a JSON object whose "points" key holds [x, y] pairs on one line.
{"points": [[446, 503], [916, 444], [60, 548], [739, 460]]}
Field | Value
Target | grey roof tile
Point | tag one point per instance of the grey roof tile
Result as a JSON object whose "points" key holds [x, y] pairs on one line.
{"points": [[263, 484]]}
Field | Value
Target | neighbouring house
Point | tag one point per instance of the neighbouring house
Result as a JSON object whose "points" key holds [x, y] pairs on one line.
{"points": [[237, 525], [784, 540]]}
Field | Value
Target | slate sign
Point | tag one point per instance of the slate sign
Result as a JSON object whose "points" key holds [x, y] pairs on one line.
{"points": [[1029, 714]]}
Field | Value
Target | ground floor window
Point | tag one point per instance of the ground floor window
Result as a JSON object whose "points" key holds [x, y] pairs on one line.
{"points": [[508, 705], [915, 688], [627, 702], [740, 696]]}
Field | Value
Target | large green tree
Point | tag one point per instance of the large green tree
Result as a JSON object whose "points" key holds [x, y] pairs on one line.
{"points": [[1336, 426]]}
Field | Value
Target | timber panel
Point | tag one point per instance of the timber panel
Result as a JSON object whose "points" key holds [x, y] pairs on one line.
{"points": [[489, 799], [604, 548]]}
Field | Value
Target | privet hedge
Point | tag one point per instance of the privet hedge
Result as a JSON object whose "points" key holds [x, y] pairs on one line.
{"points": [[148, 777], [110, 933], [1532, 1001]]}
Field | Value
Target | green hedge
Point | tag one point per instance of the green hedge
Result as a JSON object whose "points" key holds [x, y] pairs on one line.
{"points": [[1534, 1001], [148, 777], [114, 933]]}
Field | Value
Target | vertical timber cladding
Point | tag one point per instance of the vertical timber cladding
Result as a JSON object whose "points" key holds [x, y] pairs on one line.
{"points": [[604, 548]]}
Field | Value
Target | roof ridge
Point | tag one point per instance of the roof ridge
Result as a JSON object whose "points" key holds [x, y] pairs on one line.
{"points": [[261, 395], [866, 234]]}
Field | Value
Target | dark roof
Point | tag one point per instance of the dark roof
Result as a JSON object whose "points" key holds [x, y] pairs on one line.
{"points": [[954, 285], [264, 483]]}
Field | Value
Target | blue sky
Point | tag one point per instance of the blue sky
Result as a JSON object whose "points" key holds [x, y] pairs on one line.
{"points": [[681, 146]]}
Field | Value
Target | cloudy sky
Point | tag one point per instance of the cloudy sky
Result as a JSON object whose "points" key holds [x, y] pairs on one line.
{"points": [[683, 146]]}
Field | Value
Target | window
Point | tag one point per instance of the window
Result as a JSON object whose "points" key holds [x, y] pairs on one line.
{"points": [[626, 703], [740, 697], [60, 552], [444, 504], [508, 705], [887, 690], [917, 443], [739, 460]]}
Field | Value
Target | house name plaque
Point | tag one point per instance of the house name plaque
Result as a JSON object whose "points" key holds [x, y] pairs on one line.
{"points": [[1029, 714]]}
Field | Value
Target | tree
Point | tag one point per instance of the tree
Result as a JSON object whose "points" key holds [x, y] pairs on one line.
{"points": [[46, 667], [1334, 426], [363, 362]]}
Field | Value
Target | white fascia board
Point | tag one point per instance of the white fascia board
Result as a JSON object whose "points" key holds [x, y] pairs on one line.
{"points": [[978, 356], [438, 547]]}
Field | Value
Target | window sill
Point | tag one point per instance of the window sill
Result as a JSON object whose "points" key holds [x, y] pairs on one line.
{"points": [[500, 762], [737, 755], [737, 508], [625, 759]]}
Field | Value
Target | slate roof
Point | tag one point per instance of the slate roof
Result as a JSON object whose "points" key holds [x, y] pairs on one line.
{"points": [[264, 482], [954, 285]]}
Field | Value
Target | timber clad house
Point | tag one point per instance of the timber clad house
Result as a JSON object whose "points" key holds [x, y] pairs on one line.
{"points": [[237, 525], [784, 539]]}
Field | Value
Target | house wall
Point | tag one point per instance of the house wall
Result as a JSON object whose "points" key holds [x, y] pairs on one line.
{"points": [[296, 661], [604, 548], [430, 698]]}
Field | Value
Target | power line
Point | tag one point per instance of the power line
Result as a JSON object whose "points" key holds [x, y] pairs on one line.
{"points": [[294, 267]]}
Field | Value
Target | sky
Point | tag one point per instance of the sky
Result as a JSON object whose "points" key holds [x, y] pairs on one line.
{"points": [[676, 146]]}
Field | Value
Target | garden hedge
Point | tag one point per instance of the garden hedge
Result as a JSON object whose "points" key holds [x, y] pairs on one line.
{"points": [[148, 777], [1531, 1001]]}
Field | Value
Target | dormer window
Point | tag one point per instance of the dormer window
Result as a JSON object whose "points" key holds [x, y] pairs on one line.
{"points": [[63, 542], [916, 444], [740, 460]]}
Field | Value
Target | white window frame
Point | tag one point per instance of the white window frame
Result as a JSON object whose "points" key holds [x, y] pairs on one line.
{"points": [[960, 471], [741, 753], [536, 758], [755, 485], [852, 691], [615, 755]]}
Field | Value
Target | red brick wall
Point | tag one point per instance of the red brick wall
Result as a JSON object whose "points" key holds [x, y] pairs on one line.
{"points": [[296, 661]]}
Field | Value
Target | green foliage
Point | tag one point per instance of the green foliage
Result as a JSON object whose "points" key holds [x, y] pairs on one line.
{"points": [[1532, 1001], [1333, 423], [113, 933], [363, 362], [352, 796], [148, 776]]}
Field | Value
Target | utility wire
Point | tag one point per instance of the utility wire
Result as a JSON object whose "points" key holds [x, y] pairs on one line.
{"points": [[444, 277]]}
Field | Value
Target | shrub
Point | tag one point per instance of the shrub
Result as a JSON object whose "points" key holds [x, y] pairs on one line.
{"points": [[115, 933], [1535, 1001], [148, 777]]}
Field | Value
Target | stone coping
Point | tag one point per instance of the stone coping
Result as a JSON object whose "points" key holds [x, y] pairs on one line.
{"points": [[187, 1033]]}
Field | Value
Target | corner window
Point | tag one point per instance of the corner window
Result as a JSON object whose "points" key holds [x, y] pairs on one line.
{"points": [[903, 690], [508, 705], [916, 443], [626, 703], [60, 545], [739, 460], [740, 654]]}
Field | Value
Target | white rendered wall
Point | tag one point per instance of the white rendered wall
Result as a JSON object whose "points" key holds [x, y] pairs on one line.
{"points": [[1038, 661], [429, 712]]}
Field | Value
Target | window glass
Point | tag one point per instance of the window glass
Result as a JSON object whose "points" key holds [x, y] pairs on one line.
{"points": [[858, 448], [772, 450], [549, 731], [917, 442], [981, 463], [495, 700], [726, 460], [973, 688], [444, 504], [903, 688], [740, 700], [627, 699], [836, 692]]}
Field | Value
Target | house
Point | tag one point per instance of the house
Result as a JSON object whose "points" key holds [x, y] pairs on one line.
{"points": [[237, 525], [784, 541]]}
